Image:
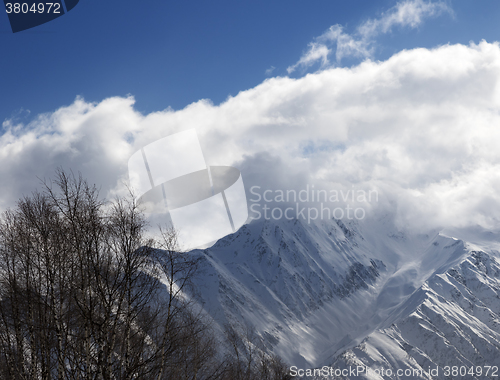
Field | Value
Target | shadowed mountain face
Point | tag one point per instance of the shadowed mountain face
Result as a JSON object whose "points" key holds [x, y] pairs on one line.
{"points": [[322, 293]]}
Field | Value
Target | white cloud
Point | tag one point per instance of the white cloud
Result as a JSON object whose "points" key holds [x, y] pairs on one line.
{"points": [[409, 13], [316, 52], [270, 70], [421, 127], [347, 46]]}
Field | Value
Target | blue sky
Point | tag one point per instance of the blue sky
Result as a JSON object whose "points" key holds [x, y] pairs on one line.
{"points": [[173, 53]]}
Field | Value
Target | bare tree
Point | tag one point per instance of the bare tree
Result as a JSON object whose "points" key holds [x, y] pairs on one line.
{"points": [[84, 295], [83, 292], [247, 358]]}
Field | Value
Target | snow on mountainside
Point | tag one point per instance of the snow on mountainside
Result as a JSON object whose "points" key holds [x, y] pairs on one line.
{"points": [[345, 292], [453, 319], [273, 276]]}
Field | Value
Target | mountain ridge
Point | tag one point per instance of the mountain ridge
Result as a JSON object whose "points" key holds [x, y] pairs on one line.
{"points": [[314, 291]]}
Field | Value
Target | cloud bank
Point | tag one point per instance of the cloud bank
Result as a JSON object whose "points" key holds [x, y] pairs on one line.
{"points": [[421, 128]]}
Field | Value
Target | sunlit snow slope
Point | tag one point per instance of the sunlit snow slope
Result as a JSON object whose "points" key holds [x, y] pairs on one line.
{"points": [[348, 292], [453, 319]]}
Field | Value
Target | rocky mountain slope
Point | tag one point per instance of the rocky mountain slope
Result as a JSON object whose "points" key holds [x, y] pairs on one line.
{"points": [[448, 328], [343, 293]]}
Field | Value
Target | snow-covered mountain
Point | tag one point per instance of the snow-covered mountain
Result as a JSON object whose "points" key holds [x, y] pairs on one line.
{"points": [[345, 293], [452, 320]]}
